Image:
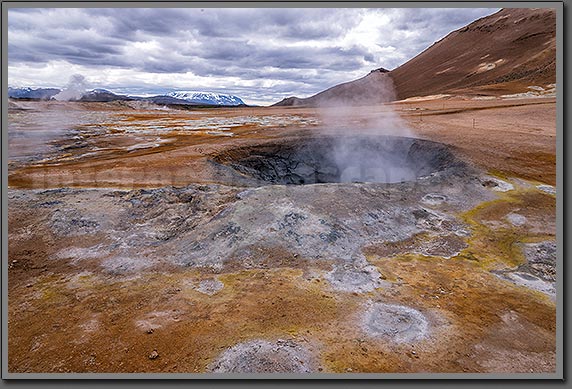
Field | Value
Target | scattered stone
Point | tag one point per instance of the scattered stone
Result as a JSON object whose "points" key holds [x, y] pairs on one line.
{"points": [[434, 221], [539, 271], [47, 204], [398, 323], [154, 355], [261, 356], [496, 184]]}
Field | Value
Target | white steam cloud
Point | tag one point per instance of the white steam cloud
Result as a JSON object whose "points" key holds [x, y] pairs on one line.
{"points": [[369, 144], [74, 90]]}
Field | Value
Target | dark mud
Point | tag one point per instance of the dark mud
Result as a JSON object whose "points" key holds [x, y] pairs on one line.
{"points": [[381, 159]]}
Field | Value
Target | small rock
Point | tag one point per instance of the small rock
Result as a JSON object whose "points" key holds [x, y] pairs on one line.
{"points": [[150, 331], [154, 355], [497, 184]]}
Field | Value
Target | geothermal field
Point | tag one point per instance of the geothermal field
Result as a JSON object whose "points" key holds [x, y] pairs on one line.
{"points": [[235, 240], [412, 235]]}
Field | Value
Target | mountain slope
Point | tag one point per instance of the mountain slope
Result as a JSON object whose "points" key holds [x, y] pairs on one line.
{"points": [[502, 53], [375, 88]]}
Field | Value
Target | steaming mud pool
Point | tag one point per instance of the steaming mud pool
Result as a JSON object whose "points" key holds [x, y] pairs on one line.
{"points": [[299, 255], [376, 159]]}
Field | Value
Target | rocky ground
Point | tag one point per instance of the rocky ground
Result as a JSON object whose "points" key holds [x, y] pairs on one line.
{"points": [[141, 241]]}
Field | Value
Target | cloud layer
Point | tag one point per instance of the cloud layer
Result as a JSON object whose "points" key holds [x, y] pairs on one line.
{"points": [[261, 55]]}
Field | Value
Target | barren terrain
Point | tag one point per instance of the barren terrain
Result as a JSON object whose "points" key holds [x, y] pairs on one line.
{"points": [[145, 239]]}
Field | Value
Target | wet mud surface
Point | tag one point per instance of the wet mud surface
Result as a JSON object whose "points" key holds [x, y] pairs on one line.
{"points": [[375, 159]]}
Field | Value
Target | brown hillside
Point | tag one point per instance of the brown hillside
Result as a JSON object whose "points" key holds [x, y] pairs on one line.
{"points": [[503, 52], [374, 88]]}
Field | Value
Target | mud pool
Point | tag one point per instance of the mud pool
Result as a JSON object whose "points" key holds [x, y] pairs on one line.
{"points": [[376, 159]]}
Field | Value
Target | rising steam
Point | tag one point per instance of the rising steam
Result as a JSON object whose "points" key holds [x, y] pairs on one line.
{"points": [[74, 90], [366, 127]]}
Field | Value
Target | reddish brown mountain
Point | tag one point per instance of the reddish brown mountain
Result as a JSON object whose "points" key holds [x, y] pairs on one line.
{"points": [[502, 53]]}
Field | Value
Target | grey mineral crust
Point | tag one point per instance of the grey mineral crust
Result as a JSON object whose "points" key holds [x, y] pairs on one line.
{"points": [[396, 323], [263, 356]]}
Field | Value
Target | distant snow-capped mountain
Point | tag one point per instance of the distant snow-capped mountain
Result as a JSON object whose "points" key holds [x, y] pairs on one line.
{"points": [[102, 95], [32, 93], [206, 98]]}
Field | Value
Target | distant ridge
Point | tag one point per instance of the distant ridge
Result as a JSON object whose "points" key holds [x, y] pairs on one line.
{"points": [[182, 98], [32, 93], [207, 98]]}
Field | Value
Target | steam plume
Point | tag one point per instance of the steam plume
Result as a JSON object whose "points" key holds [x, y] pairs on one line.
{"points": [[74, 89], [366, 149]]}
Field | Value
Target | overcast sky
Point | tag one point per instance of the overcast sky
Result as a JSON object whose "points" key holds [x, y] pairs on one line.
{"points": [[260, 55]]}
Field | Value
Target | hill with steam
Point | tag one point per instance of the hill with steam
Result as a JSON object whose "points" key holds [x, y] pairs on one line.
{"points": [[374, 88], [502, 53]]}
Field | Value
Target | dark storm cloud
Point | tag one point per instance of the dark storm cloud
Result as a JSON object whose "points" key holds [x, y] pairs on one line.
{"points": [[249, 55], [303, 50], [102, 43]]}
